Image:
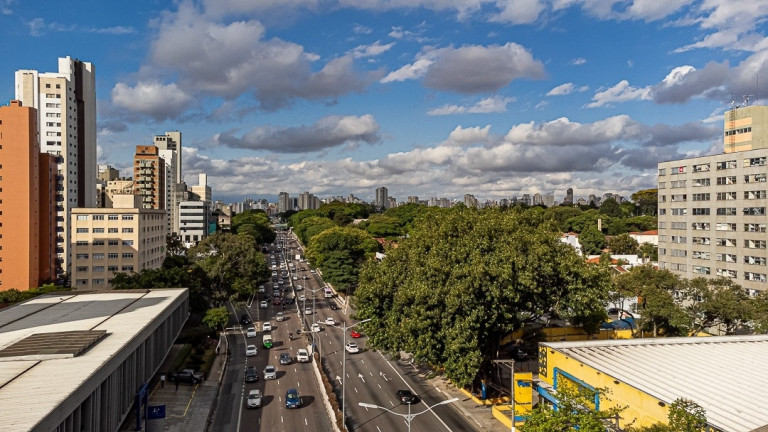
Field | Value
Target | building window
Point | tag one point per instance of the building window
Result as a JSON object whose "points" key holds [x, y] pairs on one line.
{"points": [[754, 277], [725, 242], [725, 196], [98, 269], [700, 255], [82, 269], [113, 268], [128, 255], [677, 225], [127, 230], [127, 217], [700, 197], [98, 230], [701, 167], [112, 217], [754, 227], [82, 243], [127, 242], [113, 255], [754, 211], [662, 171], [98, 281], [726, 165], [728, 180], [701, 211], [701, 182], [755, 244], [756, 194], [678, 198], [98, 243], [754, 260], [678, 239], [82, 230], [681, 253], [700, 240], [755, 178], [127, 268], [82, 256], [98, 256], [758, 161], [82, 217], [723, 226], [662, 212], [701, 270], [114, 242], [677, 184], [677, 170], [726, 211], [82, 282], [731, 258], [731, 274], [679, 211], [98, 217]]}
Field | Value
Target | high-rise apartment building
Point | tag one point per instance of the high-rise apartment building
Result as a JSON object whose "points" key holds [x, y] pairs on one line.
{"points": [[27, 239], [713, 209], [172, 141], [382, 197], [307, 201], [194, 217], [126, 238], [203, 191], [568, 197], [169, 146], [149, 177], [66, 110], [413, 199], [283, 202]]}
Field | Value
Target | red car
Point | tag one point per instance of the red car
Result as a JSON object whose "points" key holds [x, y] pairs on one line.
{"points": [[354, 333], [276, 300]]}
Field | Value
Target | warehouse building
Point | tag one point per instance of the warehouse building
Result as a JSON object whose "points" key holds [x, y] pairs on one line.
{"points": [[76, 362]]}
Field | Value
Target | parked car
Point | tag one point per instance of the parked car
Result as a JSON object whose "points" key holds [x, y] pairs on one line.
{"points": [[352, 348], [285, 358], [270, 372], [250, 350], [333, 305], [299, 287], [254, 398], [251, 374], [251, 332], [302, 355], [406, 396], [355, 334], [292, 399], [187, 376]]}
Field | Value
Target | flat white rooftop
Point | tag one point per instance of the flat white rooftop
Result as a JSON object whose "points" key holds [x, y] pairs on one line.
{"points": [[34, 382], [725, 375]]}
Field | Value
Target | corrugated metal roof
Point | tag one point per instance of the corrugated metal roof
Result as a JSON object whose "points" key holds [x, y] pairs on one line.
{"points": [[725, 375], [31, 388]]}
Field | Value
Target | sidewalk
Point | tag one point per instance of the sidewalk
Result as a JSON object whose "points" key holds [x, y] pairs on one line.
{"points": [[481, 415], [187, 407]]}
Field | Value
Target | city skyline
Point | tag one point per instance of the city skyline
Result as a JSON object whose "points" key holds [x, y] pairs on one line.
{"points": [[426, 98]]}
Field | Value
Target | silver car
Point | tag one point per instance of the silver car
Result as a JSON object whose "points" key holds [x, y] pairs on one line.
{"points": [[270, 372]]}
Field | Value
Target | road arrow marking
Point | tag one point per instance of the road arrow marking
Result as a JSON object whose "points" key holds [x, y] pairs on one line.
{"points": [[361, 377], [338, 378]]}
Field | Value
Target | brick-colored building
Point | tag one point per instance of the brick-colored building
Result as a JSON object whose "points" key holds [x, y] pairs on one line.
{"points": [[149, 177], [27, 213]]}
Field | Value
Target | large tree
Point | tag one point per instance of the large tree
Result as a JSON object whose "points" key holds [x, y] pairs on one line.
{"points": [[623, 245], [717, 302], [255, 224], [466, 278], [647, 200], [339, 252], [233, 264], [592, 241], [660, 309]]}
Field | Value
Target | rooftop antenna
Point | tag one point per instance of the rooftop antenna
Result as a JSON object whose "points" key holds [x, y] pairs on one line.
{"points": [[746, 99], [734, 105]]}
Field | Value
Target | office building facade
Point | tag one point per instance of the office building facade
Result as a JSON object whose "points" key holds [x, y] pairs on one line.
{"points": [[382, 198], [66, 109], [712, 209], [126, 238]]}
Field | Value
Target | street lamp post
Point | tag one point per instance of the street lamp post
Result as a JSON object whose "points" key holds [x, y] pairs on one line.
{"points": [[408, 417], [344, 368]]}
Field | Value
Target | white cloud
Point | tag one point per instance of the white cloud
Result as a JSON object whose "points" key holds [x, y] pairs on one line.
{"points": [[154, 99], [473, 135], [578, 61], [565, 89], [518, 11], [327, 132], [361, 29], [493, 104], [414, 70], [621, 92], [371, 50]]}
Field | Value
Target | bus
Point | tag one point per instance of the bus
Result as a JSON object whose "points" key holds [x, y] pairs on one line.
{"points": [[328, 293]]}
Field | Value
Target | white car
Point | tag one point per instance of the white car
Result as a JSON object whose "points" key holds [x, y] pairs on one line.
{"points": [[251, 332], [352, 348], [302, 356], [267, 326], [270, 372], [280, 316], [299, 287], [330, 321], [261, 289], [295, 277], [250, 350], [308, 311], [254, 398], [264, 304], [302, 297], [315, 327]]}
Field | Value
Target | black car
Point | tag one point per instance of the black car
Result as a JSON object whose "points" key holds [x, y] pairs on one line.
{"points": [[333, 306], [251, 374], [245, 319], [406, 396], [187, 376]]}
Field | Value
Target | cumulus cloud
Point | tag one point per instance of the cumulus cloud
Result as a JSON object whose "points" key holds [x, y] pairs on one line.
{"points": [[685, 82], [371, 50], [153, 99], [621, 92], [493, 104], [566, 89], [414, 70], [518, 11], [327, 132], [361, 29], [463, 136]]}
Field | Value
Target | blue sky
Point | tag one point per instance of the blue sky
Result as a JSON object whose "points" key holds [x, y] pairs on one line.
{"points": [[433, 98]]}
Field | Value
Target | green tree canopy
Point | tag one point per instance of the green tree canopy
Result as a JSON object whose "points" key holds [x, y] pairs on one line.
{"points": [[592, 241], [623, 245], [576, 411], [339, 252], [655, 289], [611, 208], [381, 225], [717, 302], [466, 278], [311, 226], [216, 318], [647, 201], [255, 224], [232, 263], [561, 215]]}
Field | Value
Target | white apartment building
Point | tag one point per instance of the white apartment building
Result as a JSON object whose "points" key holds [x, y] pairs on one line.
{"points": [[712, 209], [66, 105], [124, 239], [194, 217]]}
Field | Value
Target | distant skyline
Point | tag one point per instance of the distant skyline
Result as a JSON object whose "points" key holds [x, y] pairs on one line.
{"points": [[434, 98]]}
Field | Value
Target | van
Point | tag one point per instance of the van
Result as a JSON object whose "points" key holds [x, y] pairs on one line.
{"points": [[267, 341]]}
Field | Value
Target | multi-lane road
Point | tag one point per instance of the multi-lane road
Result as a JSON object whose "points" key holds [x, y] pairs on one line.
{"points": [[367, 376]]}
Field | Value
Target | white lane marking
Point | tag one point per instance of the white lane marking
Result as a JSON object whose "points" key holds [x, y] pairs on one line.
{"points": [[380, 386], [377, 428], [356, 390]]}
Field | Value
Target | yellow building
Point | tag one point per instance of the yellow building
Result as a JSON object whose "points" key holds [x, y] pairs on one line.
{"points": [[723, 374], [746, 128], [123, 239]]}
